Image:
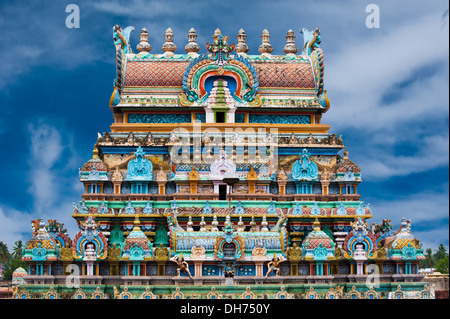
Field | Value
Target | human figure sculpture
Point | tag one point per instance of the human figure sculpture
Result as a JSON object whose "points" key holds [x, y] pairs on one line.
{"points": [[182, 265], [274, 266], [229, 270], [116, 292]]}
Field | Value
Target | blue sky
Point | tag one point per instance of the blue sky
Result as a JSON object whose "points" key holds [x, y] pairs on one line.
{"points": [[388, 89]]}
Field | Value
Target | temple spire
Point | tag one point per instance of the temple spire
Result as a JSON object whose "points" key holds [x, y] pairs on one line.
{"points": [[241, 47], [168, 47], [143, 46], [192, 47], [265, 48], [290, 48]]}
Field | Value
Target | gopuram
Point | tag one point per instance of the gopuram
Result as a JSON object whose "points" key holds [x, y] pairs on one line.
{"points": [[218, 179]]}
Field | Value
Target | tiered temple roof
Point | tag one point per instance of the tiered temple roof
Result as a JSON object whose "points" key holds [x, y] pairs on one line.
{"points": [[218, 166]]}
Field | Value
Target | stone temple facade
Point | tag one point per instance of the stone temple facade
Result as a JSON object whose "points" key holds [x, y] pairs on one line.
{"points": [[218, 179]]}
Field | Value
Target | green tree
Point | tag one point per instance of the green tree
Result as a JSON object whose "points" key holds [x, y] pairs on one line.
{"points": [[429, 260], [441, 253], [17, 250], [442, 266], [11, 266], [5, 256]]}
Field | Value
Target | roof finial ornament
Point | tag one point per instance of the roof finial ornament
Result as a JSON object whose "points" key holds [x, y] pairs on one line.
{"points": [[168, 47], [216, 33], [192, 47], [290, 48], [345, 153], [95, 152], [144, 47], [241, 47], [265, 48], [316, 224]]}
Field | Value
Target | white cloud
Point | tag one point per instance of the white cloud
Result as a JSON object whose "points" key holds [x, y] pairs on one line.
{"points": [[422, 208], [13, 226], [432, 238], [379, 165], [52, 191], [360, 73]]}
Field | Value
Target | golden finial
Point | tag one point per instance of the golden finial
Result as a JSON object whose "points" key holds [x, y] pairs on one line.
{"points": [[345, 153], [316, 224], [136, 223], [95, 152]]}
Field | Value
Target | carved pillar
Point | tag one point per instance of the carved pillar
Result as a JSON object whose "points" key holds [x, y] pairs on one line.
{"points": [[193, 180], [252, 177], [359, 257], [161, 258], [89, 258], [259, 257], [113, 259], [282, 181], [66, 256], [198, 256], [161, 179], [325, 181], [380, 258], [116, 179], [294, 257]]}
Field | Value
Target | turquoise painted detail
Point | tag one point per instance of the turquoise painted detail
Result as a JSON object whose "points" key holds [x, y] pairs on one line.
{"points": [[272, 210], [297, 209], [311, 40], [315, 210], [102, 208], [279, 119], [341, 209], [136, 252], [158, 118], [409, 252], [148, 209], [207, 209], [239, 209], [304, 169], [140, 168], [320, 253], [116, 236], [200, 117], [129, 209], [39, 253], [239, 117]]}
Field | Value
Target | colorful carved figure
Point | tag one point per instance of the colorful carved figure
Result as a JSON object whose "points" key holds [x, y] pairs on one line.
{"points": [[274, 266], [182, 265]]}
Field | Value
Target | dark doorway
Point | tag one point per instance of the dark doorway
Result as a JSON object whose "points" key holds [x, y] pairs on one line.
{"points": [[220, 117], [229, 252], [222, 192]]}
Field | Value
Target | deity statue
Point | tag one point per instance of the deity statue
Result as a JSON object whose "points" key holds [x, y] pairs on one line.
{"points": [[113, 252], [282, 176], [182, 265], [292, 139], [116, 292], [173, 137], [161, 176], [229, 270], [295, 252], [274, 266], [66, 252]]}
